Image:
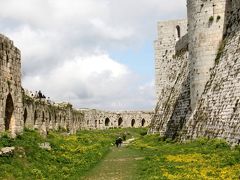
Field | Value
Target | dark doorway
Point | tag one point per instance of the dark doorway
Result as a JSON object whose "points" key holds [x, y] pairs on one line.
{"points": [[107, 121], [133, 122], [96, 125], [120, 121], [143, 122], [8, 111], [43, 116], [25, 116]]}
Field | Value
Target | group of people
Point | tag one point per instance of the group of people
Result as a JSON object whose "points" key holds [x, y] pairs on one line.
{"points": [[120, 140]]}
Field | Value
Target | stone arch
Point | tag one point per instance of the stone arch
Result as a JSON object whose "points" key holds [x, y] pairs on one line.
{"points": [[9, 108], [35, 117], [143, 122], [25, 114], [133, 122], [96, 125], [120, 121], [107, 122], [178, 31]]}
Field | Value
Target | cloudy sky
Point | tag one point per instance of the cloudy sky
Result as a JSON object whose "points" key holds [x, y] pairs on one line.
{"points": [[92, 53]]}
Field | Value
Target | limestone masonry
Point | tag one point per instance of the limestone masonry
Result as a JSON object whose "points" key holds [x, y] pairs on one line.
{"points": [[197, 73], [21, 109]]}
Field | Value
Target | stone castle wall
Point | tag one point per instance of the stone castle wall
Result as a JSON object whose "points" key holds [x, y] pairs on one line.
{"points": [[171, 67], [97, 119], [10, 87], [206, 20], [169, 32], [204, 101], [45, 115], [218, 113]]}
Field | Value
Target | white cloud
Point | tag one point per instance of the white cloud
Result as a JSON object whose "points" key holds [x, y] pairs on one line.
{"points": [[66, 45]]}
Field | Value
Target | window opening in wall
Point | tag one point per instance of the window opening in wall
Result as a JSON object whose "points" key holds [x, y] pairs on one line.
{"points": [[178, 29]]}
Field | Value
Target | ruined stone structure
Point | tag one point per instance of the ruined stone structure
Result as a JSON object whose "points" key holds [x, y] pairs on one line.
{"points": [[45, 115], [96, 119], [20, 109], [10, 92], [197, 73]]}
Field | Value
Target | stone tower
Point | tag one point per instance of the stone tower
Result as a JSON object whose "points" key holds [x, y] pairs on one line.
{"points": [[11, 106], [169, 32], [206, 20]]}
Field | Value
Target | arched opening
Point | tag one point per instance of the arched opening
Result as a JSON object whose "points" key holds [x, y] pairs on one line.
{"points": [[35, 117], [143, 122], [25, 116], [8, 111], [133, 122], [96, 123], [178, 29], [120, 121], [43, 116], [107, 121]]}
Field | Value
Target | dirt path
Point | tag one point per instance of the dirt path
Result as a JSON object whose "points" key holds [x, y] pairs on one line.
{"points": [[119, 164]]}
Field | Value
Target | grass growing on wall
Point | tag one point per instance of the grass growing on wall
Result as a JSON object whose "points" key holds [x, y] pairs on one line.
{"points": [[201, 159], [70, 157]]}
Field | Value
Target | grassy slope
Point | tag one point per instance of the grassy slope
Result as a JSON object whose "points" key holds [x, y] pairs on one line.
{"points": [[201, 159], [70, 157]]}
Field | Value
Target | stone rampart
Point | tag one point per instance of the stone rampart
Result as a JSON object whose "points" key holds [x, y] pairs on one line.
{"points": [[10, 91]]}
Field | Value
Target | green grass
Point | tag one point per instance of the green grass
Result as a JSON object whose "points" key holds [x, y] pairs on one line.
{"points": [[200, 159], [92, 155], [70, 158]]}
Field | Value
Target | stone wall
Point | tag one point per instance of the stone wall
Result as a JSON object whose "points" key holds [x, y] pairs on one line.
{"points": [[206, 20], [10, 87], [218, 113], [173, 104], [211, 80], [97, 119], [169, 32], [44, 115], [171, 69]]}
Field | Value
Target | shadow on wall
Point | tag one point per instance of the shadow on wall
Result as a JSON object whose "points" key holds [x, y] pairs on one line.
{"points": [[180, 113]]}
